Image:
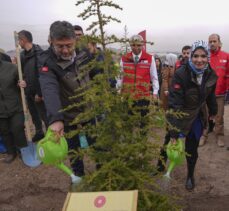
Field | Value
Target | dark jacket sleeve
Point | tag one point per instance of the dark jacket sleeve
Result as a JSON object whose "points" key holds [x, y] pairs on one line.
{"points": [[176, 104], [50, 92], [211, 103], [5, 57]]}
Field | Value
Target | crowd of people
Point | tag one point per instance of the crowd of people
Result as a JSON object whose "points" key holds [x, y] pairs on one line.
{"points": [[195, 83]]}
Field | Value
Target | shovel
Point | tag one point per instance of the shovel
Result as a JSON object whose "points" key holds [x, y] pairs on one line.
{"points": [[28, 154], [53, 150]]}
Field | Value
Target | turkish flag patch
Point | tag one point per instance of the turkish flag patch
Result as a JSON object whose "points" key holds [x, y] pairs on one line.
{"points": [[177, 86], [45, 69]]}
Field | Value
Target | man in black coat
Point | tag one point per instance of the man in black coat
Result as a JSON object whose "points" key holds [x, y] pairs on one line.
{"points": [[11, 112], [59, 71], [29, 61]]}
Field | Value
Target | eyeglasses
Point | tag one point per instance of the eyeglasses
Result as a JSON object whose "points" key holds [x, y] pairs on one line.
{"points": [[79, 35], [61, 47], [203, 56]]}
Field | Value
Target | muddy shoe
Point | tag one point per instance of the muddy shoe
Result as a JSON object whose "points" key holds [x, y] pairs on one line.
{"points": [[203, 140], [190, 183], [9, 158], [220, 142]]}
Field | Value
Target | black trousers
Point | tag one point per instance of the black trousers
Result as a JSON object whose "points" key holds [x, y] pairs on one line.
{"points": [[38, 113], [13, 133], [77, 164], [191, 148]]}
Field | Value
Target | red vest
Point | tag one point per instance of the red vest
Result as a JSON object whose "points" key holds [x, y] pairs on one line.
{"points": [[136, 79], [220, 63]]}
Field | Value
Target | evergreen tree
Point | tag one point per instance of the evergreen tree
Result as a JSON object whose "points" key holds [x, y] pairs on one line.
{"points": [[127, 144]]}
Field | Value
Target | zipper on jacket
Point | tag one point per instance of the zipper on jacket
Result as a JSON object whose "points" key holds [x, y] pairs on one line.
{"points": [[135, 72]]}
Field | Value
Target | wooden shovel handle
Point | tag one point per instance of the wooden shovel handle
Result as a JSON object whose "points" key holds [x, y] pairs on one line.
{"points": [[25, 108]]}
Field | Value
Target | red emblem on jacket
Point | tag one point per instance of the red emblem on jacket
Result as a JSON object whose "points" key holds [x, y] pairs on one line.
{"points": [[177, 86], [45, 69]]}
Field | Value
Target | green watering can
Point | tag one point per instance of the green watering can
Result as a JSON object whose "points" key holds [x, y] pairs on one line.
{"points": [[53, 150], [176, 155]]}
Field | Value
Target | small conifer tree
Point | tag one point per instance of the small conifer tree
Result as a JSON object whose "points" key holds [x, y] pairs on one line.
{"points": [[126, 143], [125, 47]]}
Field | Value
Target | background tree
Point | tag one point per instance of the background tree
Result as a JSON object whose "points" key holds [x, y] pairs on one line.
{"points": [[125, 47]]}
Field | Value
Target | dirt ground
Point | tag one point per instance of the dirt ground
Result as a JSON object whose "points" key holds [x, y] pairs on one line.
{"points": [[45, 188]]}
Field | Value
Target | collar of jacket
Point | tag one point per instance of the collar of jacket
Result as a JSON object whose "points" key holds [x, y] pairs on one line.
{"points": [[215, 52], [208, 74], [129, 56], [30, 53]]}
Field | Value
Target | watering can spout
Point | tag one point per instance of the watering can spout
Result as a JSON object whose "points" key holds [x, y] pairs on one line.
{"points": [[64, 168], [170, 168], [68, 171]]}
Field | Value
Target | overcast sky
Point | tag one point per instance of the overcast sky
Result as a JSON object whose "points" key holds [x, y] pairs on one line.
{"points": [[170, 24]]}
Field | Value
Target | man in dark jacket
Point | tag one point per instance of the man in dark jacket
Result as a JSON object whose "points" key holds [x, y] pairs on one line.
{"points": [[5, 57], [185, 56], [29, 60], [60, 67], [11, 113], [192, 86]]}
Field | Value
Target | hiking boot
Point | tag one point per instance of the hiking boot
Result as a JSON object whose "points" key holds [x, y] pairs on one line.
{"points": [[220, 142], [190, 183], [37, 137], [203, 140], [9, 158]]}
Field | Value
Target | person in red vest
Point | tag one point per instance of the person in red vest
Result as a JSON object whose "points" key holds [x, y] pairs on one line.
{"points": [[219, 61], [139, 70], [185, 56]]}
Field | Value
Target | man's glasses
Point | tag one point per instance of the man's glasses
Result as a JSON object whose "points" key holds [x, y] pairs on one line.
{"points": [[61, 47]]}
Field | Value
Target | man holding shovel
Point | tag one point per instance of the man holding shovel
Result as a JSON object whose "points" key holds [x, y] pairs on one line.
{"points": [[29, 61]]}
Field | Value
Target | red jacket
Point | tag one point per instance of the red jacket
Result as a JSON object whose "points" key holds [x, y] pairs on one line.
{"points": [[178, 64], [136, 77], [219, 61]]}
